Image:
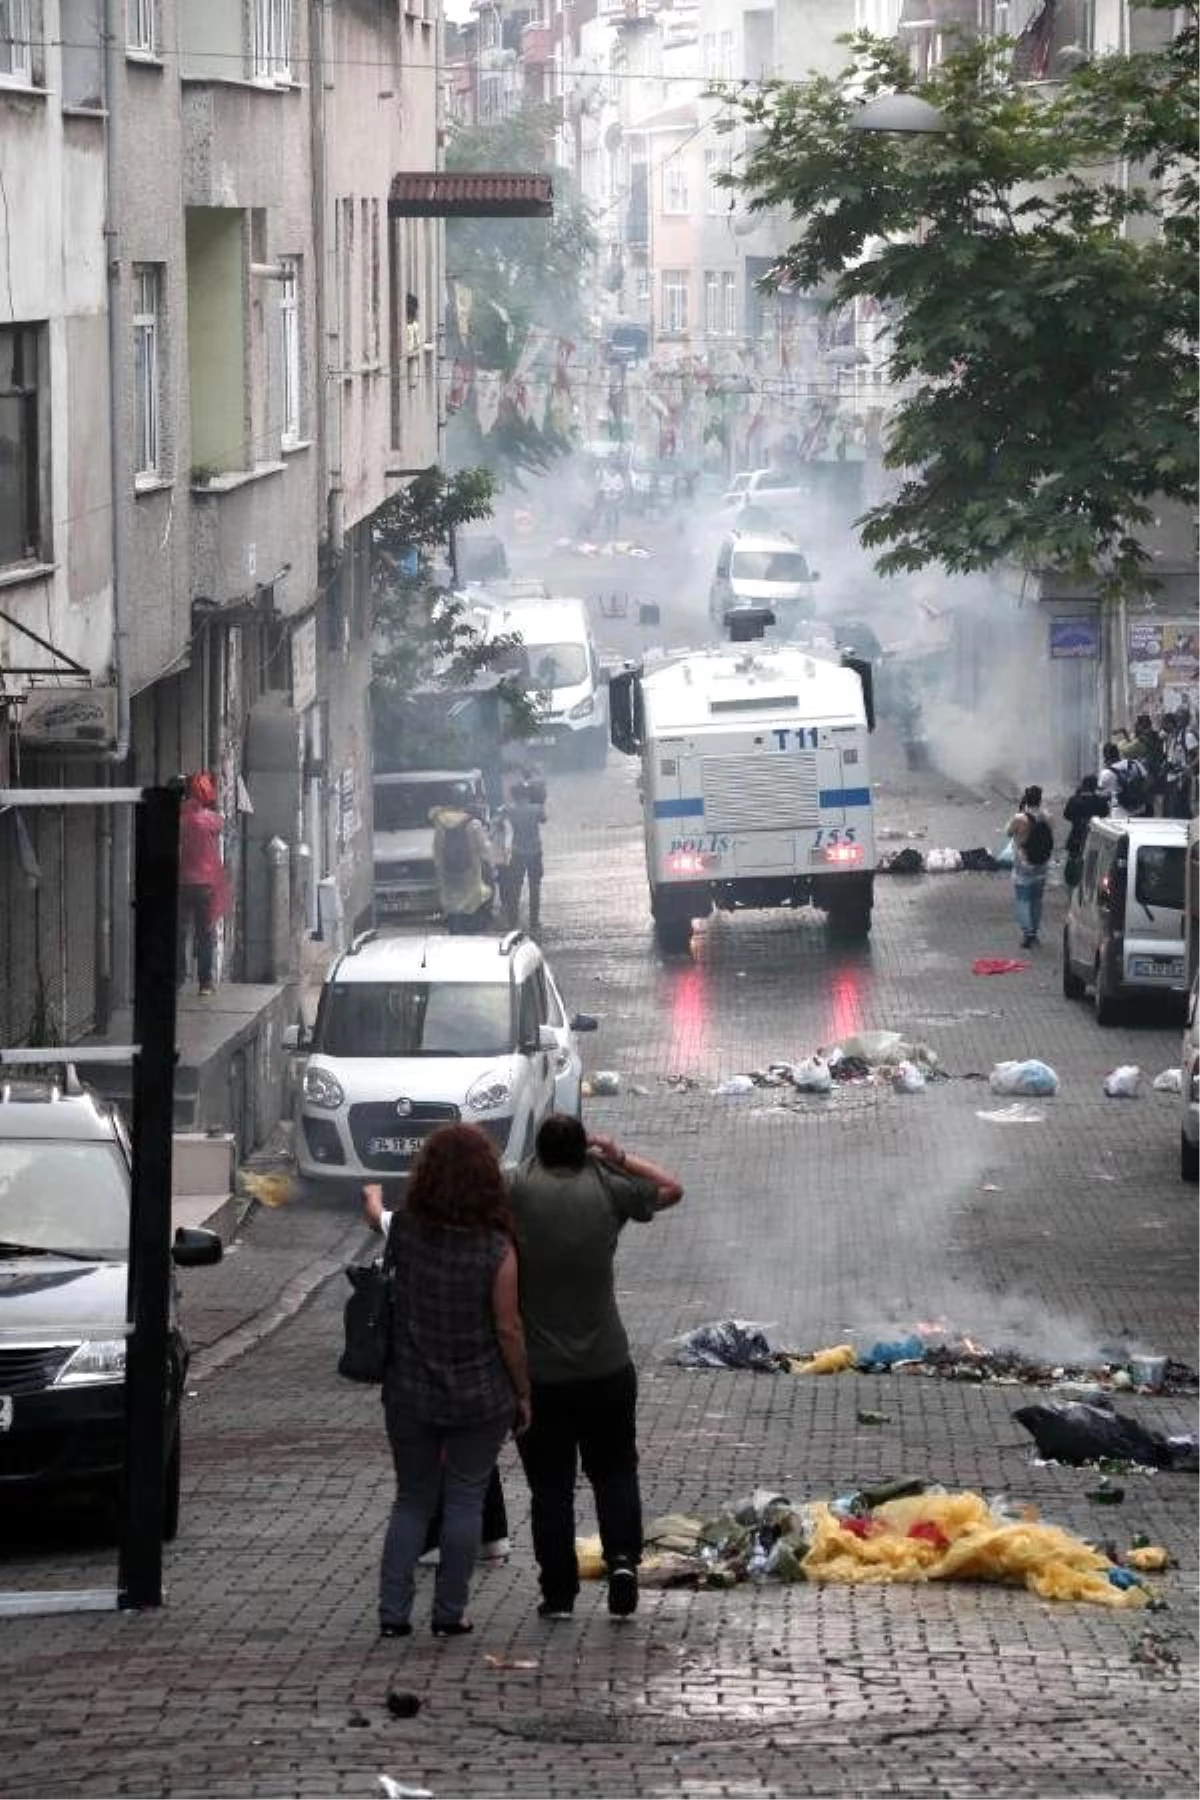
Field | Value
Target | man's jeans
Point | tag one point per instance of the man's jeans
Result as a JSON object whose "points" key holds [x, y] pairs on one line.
{"points": [[596, 1423], [1027, 902], [519, 868], [456, 1464]]}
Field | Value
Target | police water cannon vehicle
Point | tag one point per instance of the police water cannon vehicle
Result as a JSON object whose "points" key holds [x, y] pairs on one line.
{"points": [[755, 779]]}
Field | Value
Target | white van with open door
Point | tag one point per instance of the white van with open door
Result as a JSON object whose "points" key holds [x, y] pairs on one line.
{"points": [[560, 666]]}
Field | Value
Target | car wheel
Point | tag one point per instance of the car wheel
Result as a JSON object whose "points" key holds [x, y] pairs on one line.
{"points": [[1073, 988], [172, 1476], [1106, 1007], [849, 924], [1189, 1158]]}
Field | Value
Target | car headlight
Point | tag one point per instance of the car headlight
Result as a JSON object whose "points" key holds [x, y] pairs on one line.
{"points": [[490, 1092], [322, 1089], [583, 709], [96, 1360]]}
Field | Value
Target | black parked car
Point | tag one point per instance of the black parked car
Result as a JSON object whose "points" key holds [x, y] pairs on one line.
{"points": [[64, 1250]]}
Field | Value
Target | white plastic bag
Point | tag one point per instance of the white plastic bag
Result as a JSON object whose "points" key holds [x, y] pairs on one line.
{"points": [[1123, 1082], [1169, 1082], [811, 1075], [1025, 1077], [942, 862], [735, 1084], [908, 1079]]}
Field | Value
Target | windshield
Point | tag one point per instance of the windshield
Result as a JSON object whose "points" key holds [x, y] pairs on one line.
{"points": [[415, 1018], [557, 665], [769, 565], [405, 805], [1160, 875], [62, 1196]]}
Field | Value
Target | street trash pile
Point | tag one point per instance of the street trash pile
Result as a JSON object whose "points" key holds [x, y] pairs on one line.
{"points": [[608, 547], [1124, 1082], [999, 965], [1027, 1077], [899, 1531], [932, 1349], [864, 1059], [977, 861]]}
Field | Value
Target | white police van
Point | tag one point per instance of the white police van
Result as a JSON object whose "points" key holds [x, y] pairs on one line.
{"points": [[755, 783]]}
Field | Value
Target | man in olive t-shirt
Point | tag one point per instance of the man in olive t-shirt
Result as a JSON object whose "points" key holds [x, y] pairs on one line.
{"points": [[570, 1202]]}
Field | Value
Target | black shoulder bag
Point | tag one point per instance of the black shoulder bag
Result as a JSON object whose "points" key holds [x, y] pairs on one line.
{"points": [[368, 1318]]}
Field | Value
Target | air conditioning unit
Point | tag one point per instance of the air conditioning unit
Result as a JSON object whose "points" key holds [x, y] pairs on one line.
{"points": [[81, 719]]}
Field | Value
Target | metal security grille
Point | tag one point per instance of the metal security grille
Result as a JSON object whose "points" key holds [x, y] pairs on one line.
{"points": [[755, 793]]}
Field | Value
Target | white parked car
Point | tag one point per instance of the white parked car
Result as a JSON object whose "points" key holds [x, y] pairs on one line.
{"points": [[416, 1032], [405, 877]]}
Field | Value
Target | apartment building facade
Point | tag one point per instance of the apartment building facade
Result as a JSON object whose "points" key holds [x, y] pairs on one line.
{"points": [[218, 357]]}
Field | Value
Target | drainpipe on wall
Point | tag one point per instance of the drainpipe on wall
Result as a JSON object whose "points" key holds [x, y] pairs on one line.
{"points": [[107, 824], [329, 447]]}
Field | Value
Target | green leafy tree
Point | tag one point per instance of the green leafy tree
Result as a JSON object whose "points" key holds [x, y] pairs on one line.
{"points": [[424, 636], [521, 275], [1034, 262]]}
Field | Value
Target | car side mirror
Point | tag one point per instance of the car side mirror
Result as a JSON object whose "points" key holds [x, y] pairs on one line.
{"points": [[194, 1247], [585, 1022], [294, 1037]]}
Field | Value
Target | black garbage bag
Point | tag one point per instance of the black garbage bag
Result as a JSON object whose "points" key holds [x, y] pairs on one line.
{"points": [[1074, 1431], [901, 862], [726, 1344], [980, 860]]}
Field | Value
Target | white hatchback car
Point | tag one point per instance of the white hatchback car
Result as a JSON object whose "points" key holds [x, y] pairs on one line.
{"points": [[416, 1032]]}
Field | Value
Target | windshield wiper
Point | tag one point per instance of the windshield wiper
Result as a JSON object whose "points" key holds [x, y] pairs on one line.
{"points": [[13, 1249]]}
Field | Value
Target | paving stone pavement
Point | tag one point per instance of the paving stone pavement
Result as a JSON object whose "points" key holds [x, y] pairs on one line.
{"points": [[847, 1216]]}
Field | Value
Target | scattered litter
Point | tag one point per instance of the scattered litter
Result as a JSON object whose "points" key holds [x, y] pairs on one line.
{"points": [[979, 861], [724, 1344], [403, 1705], [683, 1084], [1147, 1559], [735, 1084], [1148, 1372], [602, 1082], [396, 1790], [886, 1047], [887, 1355], [889, 833], [943, 862], [908, 1079], [866, 1417], [273, 1188], [812, 1075], [834, 1361], [1105, 1494], [900, 862], [1019, 1113], [1071, 1431], [1028, 1077], [1154, 1654], [1123, 1082], [998, 965], [637, 1088], [901, 1531], [511, 1662], [1169, 1082]]}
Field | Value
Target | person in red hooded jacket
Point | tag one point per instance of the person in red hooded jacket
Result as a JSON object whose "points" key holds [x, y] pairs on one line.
{"points": [[201, 878]]}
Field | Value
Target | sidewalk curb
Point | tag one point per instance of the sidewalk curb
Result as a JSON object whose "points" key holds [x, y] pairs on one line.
{"points": [[292, 1297]]}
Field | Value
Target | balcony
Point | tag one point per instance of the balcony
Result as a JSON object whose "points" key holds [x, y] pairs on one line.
{"points": [[255, 529]]}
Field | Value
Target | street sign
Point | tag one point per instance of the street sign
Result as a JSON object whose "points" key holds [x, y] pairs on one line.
{"points": [[1075, 638]]}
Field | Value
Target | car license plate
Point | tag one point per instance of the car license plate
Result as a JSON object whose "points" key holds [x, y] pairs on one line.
{"points": [[395, 1146], [6, 1412], [1170, 966]]}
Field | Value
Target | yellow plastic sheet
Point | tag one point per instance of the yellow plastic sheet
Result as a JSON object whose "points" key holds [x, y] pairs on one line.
{"points": [[1148, 1558], [973, 1546], [826, 1362]]}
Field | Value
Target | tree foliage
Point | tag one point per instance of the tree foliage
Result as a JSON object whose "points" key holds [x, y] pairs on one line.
{"points": [[1034, 267], [423, 634], [523, 276]]}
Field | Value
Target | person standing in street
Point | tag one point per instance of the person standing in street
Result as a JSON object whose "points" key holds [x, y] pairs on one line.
{"points": [[525, 816], [1033, 845], [203, 887], [1085, 804], [570, 1201], [461, 857], [456, 1380]]}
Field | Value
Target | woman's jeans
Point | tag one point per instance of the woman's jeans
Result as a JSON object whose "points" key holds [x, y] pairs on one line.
{"points": [[430, 1460]]}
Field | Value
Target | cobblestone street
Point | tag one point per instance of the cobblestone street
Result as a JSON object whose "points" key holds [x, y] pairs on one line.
{"points": [[852, 1216]]}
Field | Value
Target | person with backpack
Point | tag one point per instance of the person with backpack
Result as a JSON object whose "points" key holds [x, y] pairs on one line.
{"points": [[1085, 804], [1033, 845], [1126, 783], [462, 858]]}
